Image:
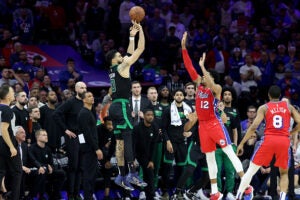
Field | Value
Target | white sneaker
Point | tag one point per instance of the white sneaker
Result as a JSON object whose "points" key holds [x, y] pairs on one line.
{"points": [[201, 195], [142, 195], [157, 195], [297, 191], [230, 196]]}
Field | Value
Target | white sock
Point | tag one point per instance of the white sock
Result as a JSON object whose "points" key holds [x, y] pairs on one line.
{"points": [[246, 179], [214, 188], [233, 158], [282, 196]]}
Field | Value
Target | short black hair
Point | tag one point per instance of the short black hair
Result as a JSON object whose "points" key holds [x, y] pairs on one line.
{"points": [[178, 90], [215, 75], [110, 55], [69, 59], [83, 95], [274, 92], [4, 90], [147, 110], [107, 118]]}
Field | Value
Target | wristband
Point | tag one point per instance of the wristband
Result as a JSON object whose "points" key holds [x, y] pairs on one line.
{"points": [[131, 38]]}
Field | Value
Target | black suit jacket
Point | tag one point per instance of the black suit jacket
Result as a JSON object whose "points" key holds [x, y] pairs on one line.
{"points": [[145, 104], [25, 155]]}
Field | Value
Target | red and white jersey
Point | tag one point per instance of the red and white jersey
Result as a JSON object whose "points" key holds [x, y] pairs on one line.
{"points": [[206, 104], [277, 118]]}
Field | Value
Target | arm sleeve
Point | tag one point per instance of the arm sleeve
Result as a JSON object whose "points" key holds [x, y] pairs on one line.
{"points": [[189, 65]]}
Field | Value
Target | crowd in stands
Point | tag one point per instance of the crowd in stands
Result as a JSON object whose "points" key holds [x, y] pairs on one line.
{"points": [[251, 44]]}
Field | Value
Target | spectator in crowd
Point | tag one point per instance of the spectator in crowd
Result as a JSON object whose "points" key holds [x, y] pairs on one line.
{"points": [[84, 47], [20, 112], [41, 157], [33, 124], [124, 18], [236, 61], [66, 117], [14, 57], [89, 149], [37, 64], [70, 73], [190, 92], [24, 153], [250, 74], [48, 123], [23, 25], [10, 77], [23, 65], [174, 118], [158, 109], [218, 58], [94, 18], [155, 31], [57, 18], [138, 103], [228, 82], [146, 135], [288, 83], [10, 159], [107, 144], [37, 80], [47, 84]]}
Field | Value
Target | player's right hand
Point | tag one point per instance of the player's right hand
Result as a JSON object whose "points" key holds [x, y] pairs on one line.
{"points": [[240, 150], [13, 151], [183, 40]]}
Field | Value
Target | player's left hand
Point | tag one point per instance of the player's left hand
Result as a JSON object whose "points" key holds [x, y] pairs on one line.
{"points": [[202, 60]]}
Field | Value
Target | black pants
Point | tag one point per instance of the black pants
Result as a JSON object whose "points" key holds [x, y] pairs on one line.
{"points": [[148, 176], [13, 167], [55, 182], [74, 175], [89, 168]]}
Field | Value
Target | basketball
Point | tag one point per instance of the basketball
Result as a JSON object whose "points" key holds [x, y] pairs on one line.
{"points": [[137, 13]]}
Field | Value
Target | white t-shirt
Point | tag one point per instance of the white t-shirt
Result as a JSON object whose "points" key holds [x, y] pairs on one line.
{"points": [[244, 71]]}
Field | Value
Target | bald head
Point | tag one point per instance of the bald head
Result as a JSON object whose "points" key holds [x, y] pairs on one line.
{"points": [[80, 87]]}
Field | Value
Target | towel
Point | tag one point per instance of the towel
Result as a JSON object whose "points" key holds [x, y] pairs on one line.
{"points": [[175, 118]]}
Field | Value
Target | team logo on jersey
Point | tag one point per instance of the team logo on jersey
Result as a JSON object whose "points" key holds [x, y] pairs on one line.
{"points": [[222, 142], [202, 95]]}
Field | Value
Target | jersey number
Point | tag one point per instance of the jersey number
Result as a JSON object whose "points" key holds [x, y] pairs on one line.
{"points": [[277, 121], [204, 104]]}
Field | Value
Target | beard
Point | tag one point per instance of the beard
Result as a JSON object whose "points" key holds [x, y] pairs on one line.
{"points": [[52, 101], [179, 101], [22, 103]]}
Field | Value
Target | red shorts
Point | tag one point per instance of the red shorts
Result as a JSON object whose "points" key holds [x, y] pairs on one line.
{"points": [[270, 146], [211, 133]]}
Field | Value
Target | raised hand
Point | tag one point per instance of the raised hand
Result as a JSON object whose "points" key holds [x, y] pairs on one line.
{"points": [[183, 40], [202, 60]]}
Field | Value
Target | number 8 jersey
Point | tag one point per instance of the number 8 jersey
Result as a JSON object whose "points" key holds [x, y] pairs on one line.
{"points": [[206, 104], [277, 118]]}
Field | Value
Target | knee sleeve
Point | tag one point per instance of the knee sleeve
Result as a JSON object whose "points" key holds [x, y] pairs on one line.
{"points": [[212, 165], [233, 158]]}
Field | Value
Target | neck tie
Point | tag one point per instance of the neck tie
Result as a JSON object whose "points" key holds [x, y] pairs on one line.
{"points": [[21, 153], [136, 111]]}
